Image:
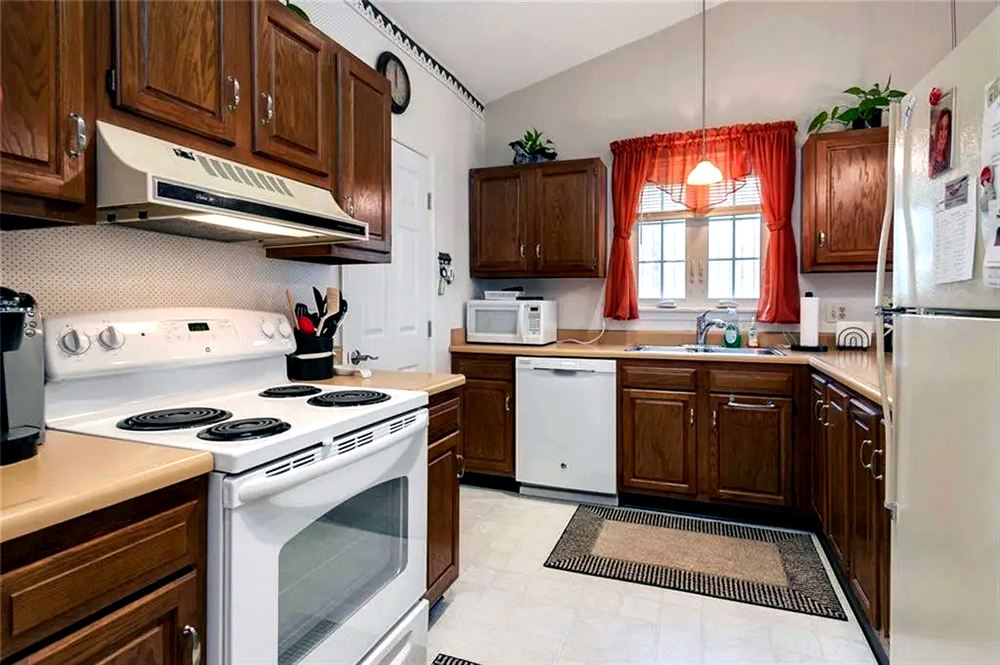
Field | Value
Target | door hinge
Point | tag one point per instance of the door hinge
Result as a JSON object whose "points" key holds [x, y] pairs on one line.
{"points": [[430, 199], [430, 329], [111, 82]]}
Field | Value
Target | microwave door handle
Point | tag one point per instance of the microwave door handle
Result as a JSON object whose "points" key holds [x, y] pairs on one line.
{"points": [[258, 488]]}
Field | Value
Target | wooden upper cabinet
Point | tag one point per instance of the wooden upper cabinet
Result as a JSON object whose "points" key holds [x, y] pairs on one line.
{"points": [[175, 63], [498, 219], [569, 230], [539, 220], [751, 449], [844, 177], [365, 151], [658, 442], [294, 83], [44, 68]]}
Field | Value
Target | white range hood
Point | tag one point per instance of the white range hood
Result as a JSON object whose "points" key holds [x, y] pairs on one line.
{"points": [[146, 183]]}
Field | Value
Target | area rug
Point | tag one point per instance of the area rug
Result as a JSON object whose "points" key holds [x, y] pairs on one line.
{"points": [[749, 564], [443, 659]]}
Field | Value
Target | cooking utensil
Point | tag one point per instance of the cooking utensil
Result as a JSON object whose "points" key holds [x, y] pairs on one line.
{"points": [[306, 325], [329, 328], [301, 311], [291, 307], [320, 302]]}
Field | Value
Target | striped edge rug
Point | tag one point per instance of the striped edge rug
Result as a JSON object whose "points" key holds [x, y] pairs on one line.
{"points": [[443, 659], [748, 564]]}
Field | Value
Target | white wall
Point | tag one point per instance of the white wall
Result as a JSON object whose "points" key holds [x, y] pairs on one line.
{"points": [[766, 62]]}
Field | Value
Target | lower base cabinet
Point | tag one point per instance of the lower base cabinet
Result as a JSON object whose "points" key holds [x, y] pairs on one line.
{"points": [[488, 413], [445, 466], [658, 441]]}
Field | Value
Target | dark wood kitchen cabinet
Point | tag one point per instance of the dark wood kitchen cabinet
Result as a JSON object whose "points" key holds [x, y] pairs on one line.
{"points": [[838, 473], [488, 413], [658, 441], [751, 449], [445, 466], [45, 64], [176, 63], [817, 447], [294, 88], [844, 177], [539, 220]]}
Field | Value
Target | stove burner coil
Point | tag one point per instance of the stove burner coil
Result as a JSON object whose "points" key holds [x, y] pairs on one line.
{"points": [[244, 430], [291, 391], [349, 398], [170, 419]]}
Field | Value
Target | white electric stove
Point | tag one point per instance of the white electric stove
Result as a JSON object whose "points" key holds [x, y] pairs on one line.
{"points": [[317, 506]]}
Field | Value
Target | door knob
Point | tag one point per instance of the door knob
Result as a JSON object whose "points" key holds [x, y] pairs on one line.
{"points": [[357, 357]]}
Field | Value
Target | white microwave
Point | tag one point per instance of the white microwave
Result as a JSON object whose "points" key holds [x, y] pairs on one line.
{"points": [[511, 321]]}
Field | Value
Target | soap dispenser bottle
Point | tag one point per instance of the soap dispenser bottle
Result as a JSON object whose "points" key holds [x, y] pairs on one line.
{"points": [[731, 336]]}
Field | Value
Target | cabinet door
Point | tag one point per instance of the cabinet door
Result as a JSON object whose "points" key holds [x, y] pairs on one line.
{"points": [[844, 185], [175, 63], [443, 469], [365, 154], [865, 508], [488, 426], [150, 630], [658, 447], [817, 448], [751, 449], [498, 221], [43, 70], [567, 230], [840, 454], [294, 84]]}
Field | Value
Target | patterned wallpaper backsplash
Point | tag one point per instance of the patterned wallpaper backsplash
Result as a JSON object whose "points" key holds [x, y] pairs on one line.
{"points": [[91, 269]]}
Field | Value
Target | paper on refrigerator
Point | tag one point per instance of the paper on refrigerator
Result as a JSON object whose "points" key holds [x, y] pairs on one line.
{"points": [[990, 142], [955, 232]]}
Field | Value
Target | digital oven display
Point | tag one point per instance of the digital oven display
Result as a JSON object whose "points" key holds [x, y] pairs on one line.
{"points": [[197, 327]]}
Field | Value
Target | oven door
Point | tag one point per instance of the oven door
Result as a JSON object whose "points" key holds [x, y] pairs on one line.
{"points": [[324, 551]]}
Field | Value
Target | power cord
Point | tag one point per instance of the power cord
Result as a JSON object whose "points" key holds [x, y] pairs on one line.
{"points": [[604, 325]]}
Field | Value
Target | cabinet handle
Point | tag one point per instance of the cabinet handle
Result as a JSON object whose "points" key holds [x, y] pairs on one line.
{"points": [[715, 418], [191, 633], [769, 404], [817, 410], [871, 464], [461, 466], [349, 205], [538, 250], [522, 250], [234, 85], [78, 135], [861, 454], [268, 108], [692, 417], [506, 402], [822, 238], [823, 412]]}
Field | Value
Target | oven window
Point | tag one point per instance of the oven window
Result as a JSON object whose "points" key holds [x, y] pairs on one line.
{"points": [[496, 321], [327, 571]]}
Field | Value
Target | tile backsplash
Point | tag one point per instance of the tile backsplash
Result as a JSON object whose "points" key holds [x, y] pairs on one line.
{"points": [[90, 269]]}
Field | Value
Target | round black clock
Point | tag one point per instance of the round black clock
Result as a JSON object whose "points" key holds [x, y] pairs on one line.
{"points": [[399, 81]]}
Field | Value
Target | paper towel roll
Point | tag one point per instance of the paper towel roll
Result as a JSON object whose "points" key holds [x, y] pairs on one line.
{"points": [[809, 326]]}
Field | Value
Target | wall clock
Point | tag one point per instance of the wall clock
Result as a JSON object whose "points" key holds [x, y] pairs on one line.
{"points": [[392, 68]]}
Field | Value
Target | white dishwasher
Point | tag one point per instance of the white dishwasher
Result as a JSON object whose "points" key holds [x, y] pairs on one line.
{"points": [[565, 433]]}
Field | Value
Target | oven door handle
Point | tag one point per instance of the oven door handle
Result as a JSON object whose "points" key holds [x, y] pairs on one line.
{"points": [[264, 486]]}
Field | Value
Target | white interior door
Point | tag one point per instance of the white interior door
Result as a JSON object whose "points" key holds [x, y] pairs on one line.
{"points": [[390, 304]]}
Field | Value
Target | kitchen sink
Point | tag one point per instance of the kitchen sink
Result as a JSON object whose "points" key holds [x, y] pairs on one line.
{"points": [[703, 348]]}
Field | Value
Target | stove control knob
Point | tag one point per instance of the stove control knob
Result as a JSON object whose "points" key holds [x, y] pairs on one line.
{"points": [[74, 343], [284, 329], [111, 338], [267, 328]]}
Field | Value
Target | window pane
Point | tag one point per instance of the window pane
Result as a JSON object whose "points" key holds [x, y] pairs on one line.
{"points": [[673, 241], [649, 242], [649, 280], [720, 238], [673, 281], [748, 236], [720, 280], [747, 279]]}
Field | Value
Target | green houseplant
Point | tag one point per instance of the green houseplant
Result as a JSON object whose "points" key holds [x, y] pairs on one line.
{"points": [[866, 113], [532, 148]]}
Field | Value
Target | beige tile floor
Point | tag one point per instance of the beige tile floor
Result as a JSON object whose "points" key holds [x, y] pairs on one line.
{"points": [[507, 609]]}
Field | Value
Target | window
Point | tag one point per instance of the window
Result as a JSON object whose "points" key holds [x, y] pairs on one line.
{"points": [[701, 260]]}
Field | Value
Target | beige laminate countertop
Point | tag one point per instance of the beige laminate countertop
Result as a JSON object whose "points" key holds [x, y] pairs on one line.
{"points": [[857, 370], [428, 382], [73, 475]]}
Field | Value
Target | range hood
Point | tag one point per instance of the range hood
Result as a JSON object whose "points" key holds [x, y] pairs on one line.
{"points": [[146, 183]]}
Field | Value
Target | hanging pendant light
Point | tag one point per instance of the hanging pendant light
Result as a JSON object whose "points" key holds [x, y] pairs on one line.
{"points": [[705, 173]]}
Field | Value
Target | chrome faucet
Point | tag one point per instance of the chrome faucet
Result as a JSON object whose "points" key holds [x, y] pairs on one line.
{"points": [[703, 325]]}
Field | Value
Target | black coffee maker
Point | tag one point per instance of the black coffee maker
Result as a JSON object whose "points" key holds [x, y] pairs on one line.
{"points": [[22, 375]]}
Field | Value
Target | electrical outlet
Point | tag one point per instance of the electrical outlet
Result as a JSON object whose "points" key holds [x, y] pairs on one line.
{"points": [[836, 312]]}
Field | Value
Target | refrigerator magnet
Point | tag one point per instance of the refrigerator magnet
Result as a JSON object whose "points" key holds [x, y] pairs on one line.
{"points": [[941, 132]]}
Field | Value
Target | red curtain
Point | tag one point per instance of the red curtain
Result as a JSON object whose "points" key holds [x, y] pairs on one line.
{"points": [[633, 159], [772, 156]]}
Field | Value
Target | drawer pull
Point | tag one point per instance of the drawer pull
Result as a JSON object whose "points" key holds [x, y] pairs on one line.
{"points": [[769, 404], [191, 633], [871, 464], [861, 454], [462, 466], [506, 402]]}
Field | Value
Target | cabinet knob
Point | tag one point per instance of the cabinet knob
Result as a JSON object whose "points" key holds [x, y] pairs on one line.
{"points": [[822, 238]]}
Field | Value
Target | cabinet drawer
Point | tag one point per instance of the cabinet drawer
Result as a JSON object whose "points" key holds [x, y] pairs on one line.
{"points": [[658, 377], [484, 367], [445, 418], [51, 593], [751, 381]]}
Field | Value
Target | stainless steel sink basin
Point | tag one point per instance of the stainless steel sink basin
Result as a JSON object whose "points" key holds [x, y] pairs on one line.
{"points": [[703, 348]]}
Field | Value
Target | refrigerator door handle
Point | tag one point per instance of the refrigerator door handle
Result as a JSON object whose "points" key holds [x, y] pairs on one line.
{"points": [[880, 313]]}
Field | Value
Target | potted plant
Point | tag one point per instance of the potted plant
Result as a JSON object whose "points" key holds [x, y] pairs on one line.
{"points": [[531, 148], [867, 112]]}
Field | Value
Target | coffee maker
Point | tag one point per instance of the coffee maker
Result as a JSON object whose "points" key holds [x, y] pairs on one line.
{"points": [[22, 377]]}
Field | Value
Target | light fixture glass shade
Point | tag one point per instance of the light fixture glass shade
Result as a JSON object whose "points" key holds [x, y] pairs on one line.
{"points": [[705, 173]]}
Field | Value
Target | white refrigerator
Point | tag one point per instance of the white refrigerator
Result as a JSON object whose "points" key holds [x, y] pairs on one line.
{"points": [[943, 425]]}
